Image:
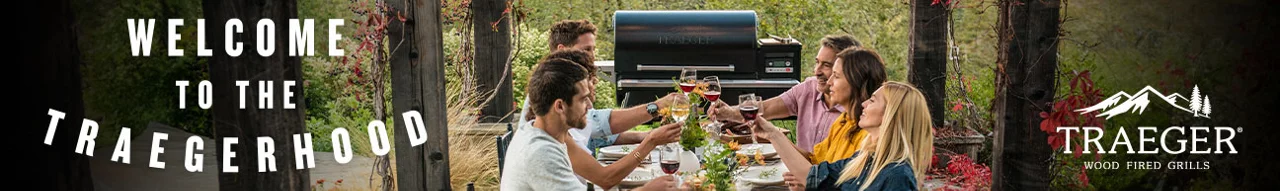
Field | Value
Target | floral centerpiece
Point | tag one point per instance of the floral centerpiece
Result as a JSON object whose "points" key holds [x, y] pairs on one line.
{"points": [[723, 163], [691, 136]]}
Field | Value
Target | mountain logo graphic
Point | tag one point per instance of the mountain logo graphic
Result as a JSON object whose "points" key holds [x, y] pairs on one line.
{"points": [[1122, 102]]}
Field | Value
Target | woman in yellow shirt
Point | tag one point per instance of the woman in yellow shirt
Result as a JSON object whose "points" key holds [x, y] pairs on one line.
{"points": [[857, 74]]}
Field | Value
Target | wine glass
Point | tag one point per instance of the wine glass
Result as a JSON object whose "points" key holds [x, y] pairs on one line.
{"points": [[712, 94], [688, 79], [680, 107], [713, 88], [749, 106], [669, 159]]}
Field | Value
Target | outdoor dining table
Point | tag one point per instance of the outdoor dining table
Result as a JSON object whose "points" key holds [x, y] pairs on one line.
{"points": [[652, 166]]}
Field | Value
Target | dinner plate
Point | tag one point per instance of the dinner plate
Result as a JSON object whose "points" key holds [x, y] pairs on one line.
{"points": [[639, 176], [765, 149], [770, 175], [617, 151]]}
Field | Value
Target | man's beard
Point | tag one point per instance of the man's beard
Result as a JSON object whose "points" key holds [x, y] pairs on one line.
{"points": [[822, 85], [577, 123]]}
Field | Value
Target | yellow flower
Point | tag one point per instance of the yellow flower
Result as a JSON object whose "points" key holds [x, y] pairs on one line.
{"points": [[695, 181], [759, 157], [699, 88], [733, 145]]}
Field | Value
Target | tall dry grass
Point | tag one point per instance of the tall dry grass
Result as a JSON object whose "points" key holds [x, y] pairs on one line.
{"points": [[473, 157]]}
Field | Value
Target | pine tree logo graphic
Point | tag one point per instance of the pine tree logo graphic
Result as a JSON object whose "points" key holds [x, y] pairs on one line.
{"points": [[1197, 108], [1198, 105]]}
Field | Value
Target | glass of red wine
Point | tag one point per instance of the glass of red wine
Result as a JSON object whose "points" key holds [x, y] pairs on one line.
{"points": [[713, 88], [669, 159], [712, 94], [749, 106], [688, 79]]}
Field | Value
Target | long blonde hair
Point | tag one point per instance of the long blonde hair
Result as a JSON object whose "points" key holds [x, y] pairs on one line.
{"points": [[905, 136]]}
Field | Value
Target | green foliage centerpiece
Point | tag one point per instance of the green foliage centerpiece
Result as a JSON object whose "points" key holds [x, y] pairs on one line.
{"points": [[721, 162], [691, 135]]}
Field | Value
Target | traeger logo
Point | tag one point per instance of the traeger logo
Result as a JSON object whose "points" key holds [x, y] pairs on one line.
{"points": [[1112, 106], [1198, 136], [684, 40]]}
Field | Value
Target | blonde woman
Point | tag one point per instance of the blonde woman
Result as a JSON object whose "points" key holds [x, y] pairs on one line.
{"points": [[894, 157]]}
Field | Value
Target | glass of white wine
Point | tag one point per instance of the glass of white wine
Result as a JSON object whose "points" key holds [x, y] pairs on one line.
{"points": [[680, 108]]}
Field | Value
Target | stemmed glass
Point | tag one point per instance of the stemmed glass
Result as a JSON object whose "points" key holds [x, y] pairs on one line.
{"points": [[712, 94], [713, 88], [688, 79], [669, 159], [749, 106], [680, 107], [669, 154]]}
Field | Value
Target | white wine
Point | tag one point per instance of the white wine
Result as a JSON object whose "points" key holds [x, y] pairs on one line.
{"points": [[680, 113]]}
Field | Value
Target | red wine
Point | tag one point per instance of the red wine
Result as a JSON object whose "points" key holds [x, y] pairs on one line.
{"points": [[670, 166], [711, 95], [686, 87], [748, 112]]}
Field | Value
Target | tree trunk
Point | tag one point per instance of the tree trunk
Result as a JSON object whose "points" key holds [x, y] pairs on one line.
{"points": [[52, 73], [493, 51], [417, 83], [928, 54], [382, 164], [1026, 72], [250, 123]]}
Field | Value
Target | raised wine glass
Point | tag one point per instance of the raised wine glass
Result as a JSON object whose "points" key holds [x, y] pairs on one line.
{"points": [[713, 88], [680, 107], [749, 106], [712, 94], [688, 79]]}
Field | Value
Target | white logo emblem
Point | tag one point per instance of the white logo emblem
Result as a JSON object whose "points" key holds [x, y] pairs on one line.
{"points": [[1112, 106]]}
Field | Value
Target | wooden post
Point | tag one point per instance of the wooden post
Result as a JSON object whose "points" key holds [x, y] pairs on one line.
{"points": [[1027, 67], [493, 51], [417, 83], [928, 54], [250, 123], [51, 80]]}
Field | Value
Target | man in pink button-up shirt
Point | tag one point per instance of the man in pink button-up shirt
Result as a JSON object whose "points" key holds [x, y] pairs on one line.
{"points": [[814, 114]]}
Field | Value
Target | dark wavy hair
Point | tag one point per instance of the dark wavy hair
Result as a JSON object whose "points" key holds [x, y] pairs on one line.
{"points": [[864, 71], [566, 32], [553, 80]]}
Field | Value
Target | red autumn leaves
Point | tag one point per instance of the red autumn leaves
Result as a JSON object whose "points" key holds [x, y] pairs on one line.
{"points": [[1082, 94]]}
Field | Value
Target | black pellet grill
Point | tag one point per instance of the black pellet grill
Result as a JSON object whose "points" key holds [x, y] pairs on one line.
{"points": [[651, 47]]}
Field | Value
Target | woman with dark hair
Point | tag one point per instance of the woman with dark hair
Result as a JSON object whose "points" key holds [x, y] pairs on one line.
{"points": [[857, 74]]}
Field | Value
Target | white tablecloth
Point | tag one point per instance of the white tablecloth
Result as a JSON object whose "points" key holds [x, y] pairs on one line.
{"points": [[740, 185]]}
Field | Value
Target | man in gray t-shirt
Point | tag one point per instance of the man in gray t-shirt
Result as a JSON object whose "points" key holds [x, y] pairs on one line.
{"points": [[537, 157]]}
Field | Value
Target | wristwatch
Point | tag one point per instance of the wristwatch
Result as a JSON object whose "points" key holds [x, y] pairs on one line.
{"points": [[653, 109]]}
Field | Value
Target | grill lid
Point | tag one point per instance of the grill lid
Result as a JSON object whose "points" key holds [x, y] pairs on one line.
{"points": [[723, 41]]}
